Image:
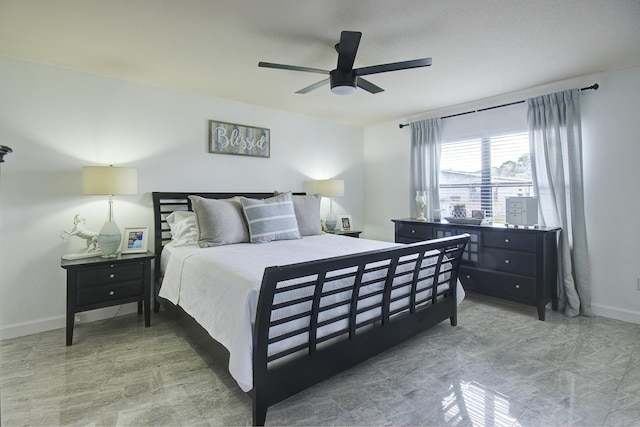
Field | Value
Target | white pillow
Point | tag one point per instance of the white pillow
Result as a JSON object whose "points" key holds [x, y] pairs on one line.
{"points": [[184, 228], [307, 210], [220, 221]]}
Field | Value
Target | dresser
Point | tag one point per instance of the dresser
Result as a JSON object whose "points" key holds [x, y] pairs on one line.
{"points": [[102, 282], [515, 264]]}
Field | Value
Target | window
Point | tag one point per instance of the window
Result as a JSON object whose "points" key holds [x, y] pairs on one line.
{"points": [[482, 172]]}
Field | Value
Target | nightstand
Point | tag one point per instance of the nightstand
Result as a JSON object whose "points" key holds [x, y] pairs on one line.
{"points": [[103, 282], [350, 233]]}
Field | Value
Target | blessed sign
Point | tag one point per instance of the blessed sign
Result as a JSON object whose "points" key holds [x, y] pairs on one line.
{"points": [[232, 138]]}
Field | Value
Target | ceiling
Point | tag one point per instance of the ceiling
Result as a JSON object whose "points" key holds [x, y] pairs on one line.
{"points": [[479, 48]]}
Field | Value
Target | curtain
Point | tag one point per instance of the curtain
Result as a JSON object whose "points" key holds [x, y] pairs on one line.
{"points": [[425, 163], [555, 137]]}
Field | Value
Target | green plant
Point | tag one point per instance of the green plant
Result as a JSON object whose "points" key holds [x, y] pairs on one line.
{"points": [[459, 205]]}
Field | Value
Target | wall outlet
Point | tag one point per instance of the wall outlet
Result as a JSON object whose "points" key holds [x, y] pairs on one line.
{"points": [[77, 317]]}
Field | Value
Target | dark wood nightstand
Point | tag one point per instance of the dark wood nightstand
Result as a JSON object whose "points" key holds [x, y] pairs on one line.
{"points": [[350, 233], [103, 282]]}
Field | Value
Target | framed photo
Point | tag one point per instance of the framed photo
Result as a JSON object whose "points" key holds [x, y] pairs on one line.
{"points": [[344, 222], [477, 214], [135, 240]]}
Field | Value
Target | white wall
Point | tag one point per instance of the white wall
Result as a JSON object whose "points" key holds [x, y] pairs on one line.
{"points": [[611, 143], [58, 120]]}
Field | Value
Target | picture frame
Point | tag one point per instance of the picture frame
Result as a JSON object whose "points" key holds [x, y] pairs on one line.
{"points": [[477, 214], [135, 240], [237, 139], [345, 223]]}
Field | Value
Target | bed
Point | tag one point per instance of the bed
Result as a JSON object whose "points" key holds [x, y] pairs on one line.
{"points": [[296, 310]]}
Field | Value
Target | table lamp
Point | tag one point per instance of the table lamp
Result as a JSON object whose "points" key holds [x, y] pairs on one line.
{"points": [[330, 188], [111, 181]]}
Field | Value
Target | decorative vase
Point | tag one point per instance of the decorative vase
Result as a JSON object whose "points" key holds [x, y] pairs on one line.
{"points": [[421, 201], [459, 212]]}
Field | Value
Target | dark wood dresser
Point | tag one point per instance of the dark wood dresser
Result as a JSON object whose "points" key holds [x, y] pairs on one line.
{"points": [[515, 264]]}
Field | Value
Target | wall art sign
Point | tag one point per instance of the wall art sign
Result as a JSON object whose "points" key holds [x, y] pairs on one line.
{"points": [[232, 138]]}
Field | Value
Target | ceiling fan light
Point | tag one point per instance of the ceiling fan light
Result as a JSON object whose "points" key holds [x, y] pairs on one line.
{"points": [[342, 82], [343, 90]]}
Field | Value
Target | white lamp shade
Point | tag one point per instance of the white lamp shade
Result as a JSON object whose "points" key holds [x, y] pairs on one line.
{"points": [[330, 187], [109, 180]]}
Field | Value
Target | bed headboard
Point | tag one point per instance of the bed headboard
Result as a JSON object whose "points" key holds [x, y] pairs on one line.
{"points": [[166, 202]]}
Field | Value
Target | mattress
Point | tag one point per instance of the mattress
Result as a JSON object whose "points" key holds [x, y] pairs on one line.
{"points": [[219, 286]]}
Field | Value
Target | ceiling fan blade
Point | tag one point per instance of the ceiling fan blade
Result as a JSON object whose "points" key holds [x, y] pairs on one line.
{"points": [[313, 86], [291, 67], [395, 66], [347, 49], [368, 86]]}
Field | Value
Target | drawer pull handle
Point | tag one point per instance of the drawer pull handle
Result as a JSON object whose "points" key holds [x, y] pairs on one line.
{"points": [[111, 276], [468, 276], [517, 286], [506, 240], [413, 231], [111, 293], [506, 261]]}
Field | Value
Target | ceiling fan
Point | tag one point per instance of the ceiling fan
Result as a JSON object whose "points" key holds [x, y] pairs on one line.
{"points": [[344, 79]]}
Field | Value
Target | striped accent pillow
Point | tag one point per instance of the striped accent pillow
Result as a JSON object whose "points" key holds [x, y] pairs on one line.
{"points": [[270, 219]]}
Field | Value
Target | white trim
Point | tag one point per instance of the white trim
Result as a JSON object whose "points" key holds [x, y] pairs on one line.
{"points": [[57, 322], [616, 313], [32, 327]]}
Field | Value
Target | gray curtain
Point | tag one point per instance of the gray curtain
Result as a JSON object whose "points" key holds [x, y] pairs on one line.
{"points": [[425, 163], [555, 136]]}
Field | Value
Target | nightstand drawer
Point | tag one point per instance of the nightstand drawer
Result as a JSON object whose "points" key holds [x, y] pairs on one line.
{"points": [[511, 240], [522, 263], [109, 274], [109, 292], [416, 232]]}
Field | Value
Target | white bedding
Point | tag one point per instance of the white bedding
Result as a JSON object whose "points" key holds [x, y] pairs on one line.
{"points": [[219, 286]]}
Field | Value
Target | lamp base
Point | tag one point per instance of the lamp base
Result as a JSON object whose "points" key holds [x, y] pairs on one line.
{"points": [[109, 239], [331, 221]]}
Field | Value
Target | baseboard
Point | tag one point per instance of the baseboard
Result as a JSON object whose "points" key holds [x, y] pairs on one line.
{"points": [[42, 325], [616, 313], [33, 327]]}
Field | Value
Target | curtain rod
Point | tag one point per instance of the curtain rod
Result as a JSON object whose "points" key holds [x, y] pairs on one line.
{"points": [[594, 86]]}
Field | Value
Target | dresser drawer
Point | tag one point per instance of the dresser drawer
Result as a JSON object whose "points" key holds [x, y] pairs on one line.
{"points": [[109, 292], [511, 286], [109, 274], [522, 263], [416, 232], [509, 239]]}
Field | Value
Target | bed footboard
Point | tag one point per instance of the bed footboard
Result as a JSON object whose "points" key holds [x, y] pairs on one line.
{"points": [[319, 318]]}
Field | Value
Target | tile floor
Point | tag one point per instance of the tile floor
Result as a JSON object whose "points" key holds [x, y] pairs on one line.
{"points": [[499, 367]]}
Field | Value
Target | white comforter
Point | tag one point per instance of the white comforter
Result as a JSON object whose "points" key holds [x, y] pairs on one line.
{"points": [[219, 286]]}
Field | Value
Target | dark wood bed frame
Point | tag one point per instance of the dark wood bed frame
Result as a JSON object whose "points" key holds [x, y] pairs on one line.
{"points": [[401, 308]]}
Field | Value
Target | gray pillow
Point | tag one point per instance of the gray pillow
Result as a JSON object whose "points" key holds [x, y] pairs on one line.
{"points": [[270, 219], [220, 221], [307, 210]]}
